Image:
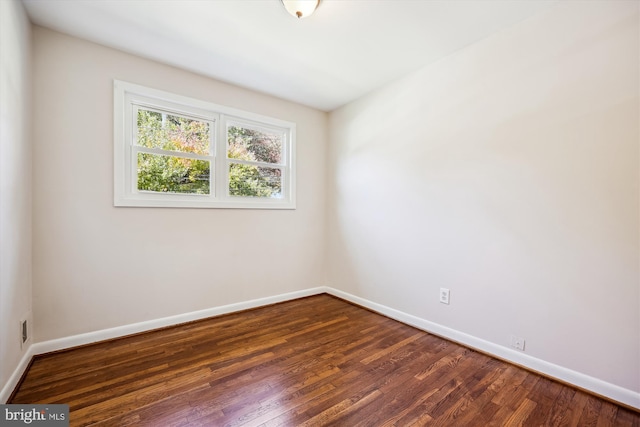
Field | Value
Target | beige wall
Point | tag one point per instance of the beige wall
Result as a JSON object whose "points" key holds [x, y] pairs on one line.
{"points": [[96, 266], [507, 172], [15, 183]]}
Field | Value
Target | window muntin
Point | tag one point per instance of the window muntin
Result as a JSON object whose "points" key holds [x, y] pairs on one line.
{"points": [[173, 151]]}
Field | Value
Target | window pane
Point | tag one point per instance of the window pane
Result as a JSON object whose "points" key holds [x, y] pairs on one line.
{"points": [[253, 145], [254, 181], [169, 174], [175, 133]]}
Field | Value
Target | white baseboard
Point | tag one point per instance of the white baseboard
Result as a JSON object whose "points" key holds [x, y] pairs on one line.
{"points": [[120, 331], [586, 382], [594, 385], [12, 382]]}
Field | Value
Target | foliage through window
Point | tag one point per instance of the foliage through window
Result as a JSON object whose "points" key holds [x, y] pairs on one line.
{"points": [[255, 169], [179, 152], [167, 171]]}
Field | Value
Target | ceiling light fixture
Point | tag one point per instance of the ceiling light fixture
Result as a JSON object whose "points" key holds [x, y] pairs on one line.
{"points": [[300, 8]]}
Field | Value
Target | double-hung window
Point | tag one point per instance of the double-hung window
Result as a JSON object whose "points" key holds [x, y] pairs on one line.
{"points": [[174, 151]]}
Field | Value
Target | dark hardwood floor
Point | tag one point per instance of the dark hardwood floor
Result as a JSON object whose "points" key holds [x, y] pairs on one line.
{"points": [[316, 361]]}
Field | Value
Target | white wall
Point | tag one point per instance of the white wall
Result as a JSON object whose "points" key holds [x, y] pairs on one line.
{"points": [[96, 266], [509, 173], [15, 183]]}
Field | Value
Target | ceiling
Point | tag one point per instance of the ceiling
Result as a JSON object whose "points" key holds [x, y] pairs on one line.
{"points": [[345, 50]]}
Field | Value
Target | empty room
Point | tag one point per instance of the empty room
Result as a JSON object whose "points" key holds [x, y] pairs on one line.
{"points": [[310, 213]]}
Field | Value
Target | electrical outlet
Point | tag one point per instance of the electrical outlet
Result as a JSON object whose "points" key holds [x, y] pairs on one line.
{"points": [[517, 343], [444, 296], [24, 332]]}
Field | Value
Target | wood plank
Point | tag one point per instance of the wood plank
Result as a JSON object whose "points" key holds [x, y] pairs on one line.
{"points": [[521, 414], [309, 362]]}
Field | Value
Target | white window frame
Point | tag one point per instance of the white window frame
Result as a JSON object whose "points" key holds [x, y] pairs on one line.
{"points": [[128, 97]]}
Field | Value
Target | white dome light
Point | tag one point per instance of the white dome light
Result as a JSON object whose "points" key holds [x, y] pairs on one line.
{"points": [[300, 8]]}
